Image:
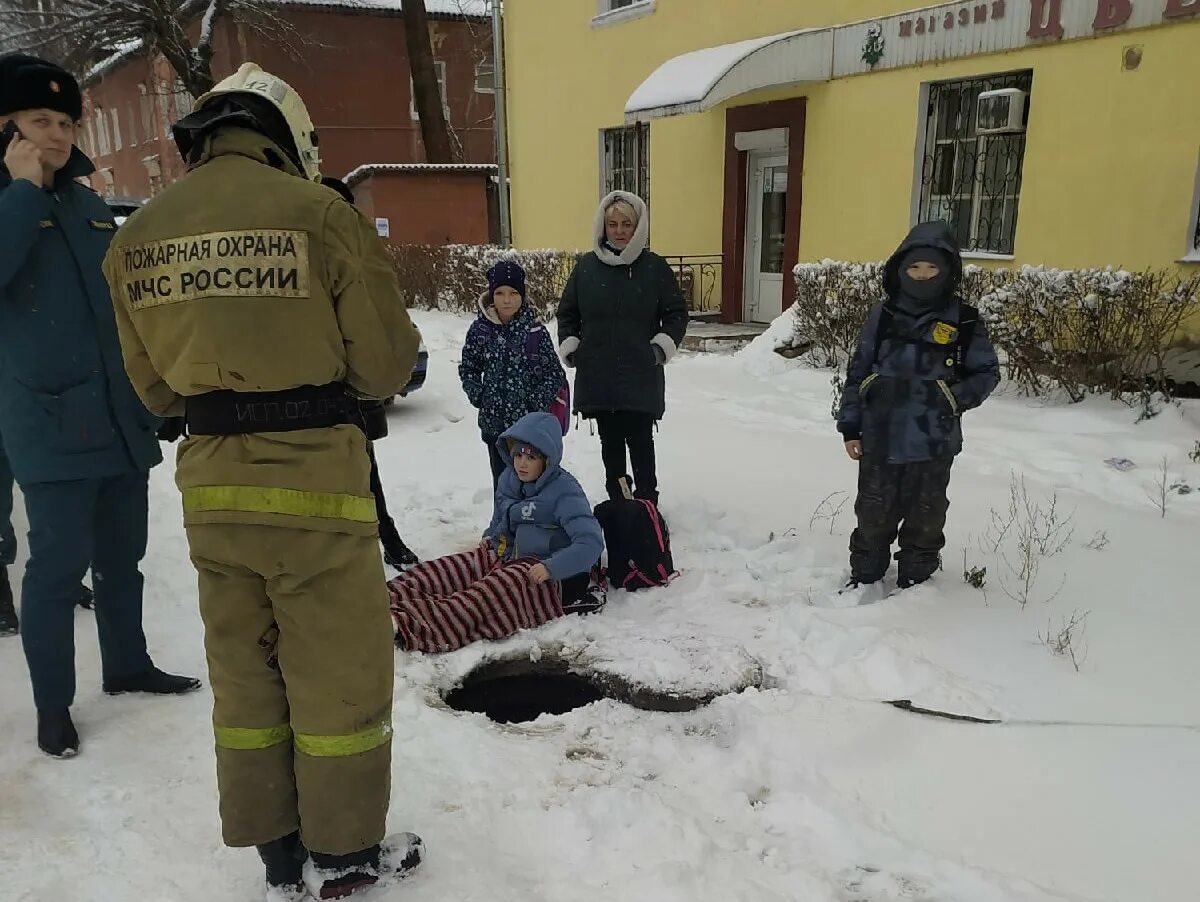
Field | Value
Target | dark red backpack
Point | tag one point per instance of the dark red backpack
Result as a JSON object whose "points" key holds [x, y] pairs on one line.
{"points": [[560, 407], [639, 544]]}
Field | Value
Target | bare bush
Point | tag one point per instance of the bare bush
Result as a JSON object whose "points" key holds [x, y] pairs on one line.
{"points": [[1069, 640], [1079, 331], [1024, 536], [1160, 492], [453, 277], [1098, 542], [829, 510]]}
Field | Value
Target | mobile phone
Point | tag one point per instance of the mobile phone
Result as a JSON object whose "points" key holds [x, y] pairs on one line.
{"points": [[9, 131]]}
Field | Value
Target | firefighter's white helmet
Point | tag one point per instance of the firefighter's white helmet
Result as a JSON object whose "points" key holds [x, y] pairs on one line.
{"points": [[251, 79]]}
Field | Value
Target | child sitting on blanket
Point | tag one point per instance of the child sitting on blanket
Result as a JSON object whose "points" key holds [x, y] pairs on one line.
{"points": [[532, 566]]}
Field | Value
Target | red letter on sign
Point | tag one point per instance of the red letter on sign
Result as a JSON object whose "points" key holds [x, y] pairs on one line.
{"points": [[1045, 19], [964, 16], [1112, 14], [948, 22], [906, 28], [1181, 9]]}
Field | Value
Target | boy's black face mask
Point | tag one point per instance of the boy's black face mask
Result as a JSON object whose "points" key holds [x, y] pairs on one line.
{"points": [[926, 293]]}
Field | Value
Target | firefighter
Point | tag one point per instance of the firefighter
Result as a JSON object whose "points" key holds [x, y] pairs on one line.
{"points": [[260, 306]]}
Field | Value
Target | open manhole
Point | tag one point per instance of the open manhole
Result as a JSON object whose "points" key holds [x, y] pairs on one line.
{"points": [[522, 697], [518, 691]]}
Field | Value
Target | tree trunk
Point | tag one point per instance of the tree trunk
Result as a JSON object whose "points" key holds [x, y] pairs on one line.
{"points": [[435, 132]]}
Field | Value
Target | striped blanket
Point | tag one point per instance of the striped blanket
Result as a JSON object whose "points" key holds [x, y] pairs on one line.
{"points": [[447, 603]]}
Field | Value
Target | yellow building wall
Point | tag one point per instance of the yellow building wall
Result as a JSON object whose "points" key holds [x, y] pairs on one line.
{"points": [[1110, 164]]}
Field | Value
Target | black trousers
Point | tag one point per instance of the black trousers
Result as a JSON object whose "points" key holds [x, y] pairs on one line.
{"points": [[906, 498], [499, 465], [624, 429], [389, 536]]}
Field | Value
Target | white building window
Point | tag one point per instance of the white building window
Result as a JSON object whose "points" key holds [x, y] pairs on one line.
{"points": [[625, 160], [184, 101], [1193, 251], [116, 129], [440, 68], [969, 179], [609, 12], [485, 77], [102, 145], [147, 110]]}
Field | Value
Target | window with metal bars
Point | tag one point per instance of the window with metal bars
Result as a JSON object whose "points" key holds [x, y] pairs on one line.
{"points": [[1194, 251], [625, 160], [971, 180]]}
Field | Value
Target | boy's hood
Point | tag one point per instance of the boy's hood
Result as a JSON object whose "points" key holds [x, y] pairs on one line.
{"points": [[542, 430], [641, 234], [926, 234]]}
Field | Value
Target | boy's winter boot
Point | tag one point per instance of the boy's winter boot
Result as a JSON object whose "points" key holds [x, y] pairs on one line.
{"points": [[9, 625], [399, 557], [284, 860], [56, 733], [339, 876]]}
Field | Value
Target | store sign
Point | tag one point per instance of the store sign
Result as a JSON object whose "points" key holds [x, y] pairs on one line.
{"points": [[963, 17], [973, 27], [1045, 16]]}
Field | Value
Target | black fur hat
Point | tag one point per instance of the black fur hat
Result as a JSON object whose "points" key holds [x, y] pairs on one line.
{"points": [[29, 83]]}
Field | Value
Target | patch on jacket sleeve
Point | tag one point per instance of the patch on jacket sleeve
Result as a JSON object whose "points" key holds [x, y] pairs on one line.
{"points": [[46, 224], [944, 333], [102, 225], [251, 263]]}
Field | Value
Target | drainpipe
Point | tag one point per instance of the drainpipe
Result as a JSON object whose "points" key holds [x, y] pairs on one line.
{"points": [[501, 119]]}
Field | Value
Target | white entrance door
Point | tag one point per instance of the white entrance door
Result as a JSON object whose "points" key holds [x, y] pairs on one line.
{"points": [[766, 224]]}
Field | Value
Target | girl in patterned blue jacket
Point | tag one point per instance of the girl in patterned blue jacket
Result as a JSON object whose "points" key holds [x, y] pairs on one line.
{"points": [[509, 364]]}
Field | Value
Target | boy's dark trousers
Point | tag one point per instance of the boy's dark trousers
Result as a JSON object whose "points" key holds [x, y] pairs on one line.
{"points": [[910, 498], [620, 429]]}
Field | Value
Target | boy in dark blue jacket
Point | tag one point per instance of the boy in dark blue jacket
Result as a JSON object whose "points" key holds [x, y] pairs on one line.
{"points": [[532, 566], [923, 359]]}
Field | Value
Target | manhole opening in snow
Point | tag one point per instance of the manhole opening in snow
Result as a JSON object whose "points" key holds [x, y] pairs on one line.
{"points": [[521, 697], [518, 691]]}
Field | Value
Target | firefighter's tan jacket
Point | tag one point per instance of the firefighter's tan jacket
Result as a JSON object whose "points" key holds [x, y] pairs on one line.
{"points": [[245, 276]]}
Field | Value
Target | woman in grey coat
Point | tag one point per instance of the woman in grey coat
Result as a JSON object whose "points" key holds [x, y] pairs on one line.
{"points": [[620, 321]]}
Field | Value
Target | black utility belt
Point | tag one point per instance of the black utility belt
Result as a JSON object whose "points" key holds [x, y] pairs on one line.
{"points": [[244, 413]]}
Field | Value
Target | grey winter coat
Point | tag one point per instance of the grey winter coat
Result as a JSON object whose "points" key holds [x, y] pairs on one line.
{"points": [[616, 308], [906, 403]]}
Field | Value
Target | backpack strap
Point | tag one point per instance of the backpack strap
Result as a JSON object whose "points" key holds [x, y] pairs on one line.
{"points": [[533, 340], [882, 328]]}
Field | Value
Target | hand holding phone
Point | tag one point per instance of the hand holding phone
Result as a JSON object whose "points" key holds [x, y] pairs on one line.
{"points": [[23, 158]]}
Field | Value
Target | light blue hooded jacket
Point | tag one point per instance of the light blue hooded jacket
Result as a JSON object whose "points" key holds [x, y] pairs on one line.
{"points": [[550, 519]]}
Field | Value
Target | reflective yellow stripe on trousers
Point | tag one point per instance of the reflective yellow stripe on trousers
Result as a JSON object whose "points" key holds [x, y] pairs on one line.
{"points": [[251, 738], [311, 744], [343, 746], [253, 499]]}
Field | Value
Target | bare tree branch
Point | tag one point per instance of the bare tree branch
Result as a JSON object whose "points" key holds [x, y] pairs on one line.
{"points": [[79, 34]]}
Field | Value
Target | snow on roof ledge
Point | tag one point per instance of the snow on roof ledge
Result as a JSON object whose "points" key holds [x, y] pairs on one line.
{"points": [[366, 170], [701, 80]]}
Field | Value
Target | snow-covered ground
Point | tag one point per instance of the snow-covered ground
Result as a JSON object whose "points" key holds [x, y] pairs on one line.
{"points": [[807, 790]]}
